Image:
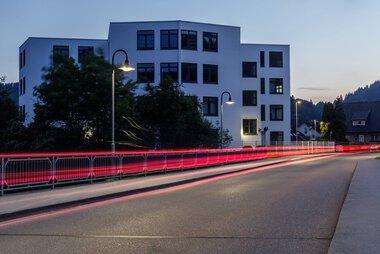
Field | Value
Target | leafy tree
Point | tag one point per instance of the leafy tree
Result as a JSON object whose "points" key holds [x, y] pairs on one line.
{"points": [[73, 110], [328, 115], [325, 128], [339, 121], [175, 120]]}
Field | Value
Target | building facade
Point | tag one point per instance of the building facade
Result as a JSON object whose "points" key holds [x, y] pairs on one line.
{"points": [[206, 59]]}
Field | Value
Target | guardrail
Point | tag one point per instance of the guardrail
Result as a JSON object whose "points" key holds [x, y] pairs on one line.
{"points": [[23, 171]]}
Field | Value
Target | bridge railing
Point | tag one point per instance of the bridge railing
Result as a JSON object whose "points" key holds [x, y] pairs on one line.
{"points": [[30, 170]]}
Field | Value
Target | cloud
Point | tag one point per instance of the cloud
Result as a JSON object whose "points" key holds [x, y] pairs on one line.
{"points": [[313, 88]]}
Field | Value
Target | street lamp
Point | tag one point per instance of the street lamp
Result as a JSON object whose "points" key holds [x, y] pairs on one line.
{"points": [[230, 101], [297, 102], [126, 68]]}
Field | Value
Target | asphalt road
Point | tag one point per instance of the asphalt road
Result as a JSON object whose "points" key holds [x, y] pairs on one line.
{"points": [[290, 209]]}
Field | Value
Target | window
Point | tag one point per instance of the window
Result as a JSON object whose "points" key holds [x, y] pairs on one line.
{"points": [[249, 98], [276, 112], [145, 73], [276, 86], [60, 51], [249, 70], [210, 106], [262, 112], [210, 41], [23, 85], [275, 59], [210, 74], [249, 126], [145, 40], [169, 71], [84, 51], [276, 136], [20, 87], [189, 39], [262, 85], [22, 111], [262, 59], [20, 61], [169, 39], [189, 73], [23, 58]]}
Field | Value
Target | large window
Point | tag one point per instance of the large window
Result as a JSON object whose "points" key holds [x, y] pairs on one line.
{"points": [[276, 112], [276, 136], [145, 39], [249, 98], [276, 86], [60, 52], [169, 71], [210, 41], [189, 39], [189, 73], [262, 58], [84, 51], [262, 85], [262, 112], [249, 126], [275, 59], [169, 39], [210, 106], [210, 74], [249, 70], [145, 73]]}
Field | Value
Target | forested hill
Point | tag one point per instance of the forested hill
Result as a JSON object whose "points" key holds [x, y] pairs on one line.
{"points": [[367, 93]]}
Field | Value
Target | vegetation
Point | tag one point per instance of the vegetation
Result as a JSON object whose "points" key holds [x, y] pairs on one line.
{"points": [[367, 93]]}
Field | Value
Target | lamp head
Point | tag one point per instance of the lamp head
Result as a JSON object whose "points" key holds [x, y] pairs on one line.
{"points": [[230, 101], [126, 67]]}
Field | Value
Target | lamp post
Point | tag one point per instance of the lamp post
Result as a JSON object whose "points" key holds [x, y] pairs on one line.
{"points": [[297, 102], [221, 114], [126, 68]]}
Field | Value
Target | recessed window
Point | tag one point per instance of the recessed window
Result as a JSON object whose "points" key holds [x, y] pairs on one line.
{"points": [[169, 39], [210, 106], [22, 111], [189, 73], [276, 136], [262, 85], [145, 39], [249, 126], [262, 112], [60, 52], [23, 58], [210, 41], [169, 71], [262, 59], [276, 112], [249, 70], [84, 51], [210, 74], [189, 39], [275, 59], [249, 98], [276, 86], [20, 88], [145, 73], [20, 61]]}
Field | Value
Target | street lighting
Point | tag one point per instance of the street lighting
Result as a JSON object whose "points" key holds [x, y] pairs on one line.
{"points": [[230, 101], [297, 102], [126, 68]]}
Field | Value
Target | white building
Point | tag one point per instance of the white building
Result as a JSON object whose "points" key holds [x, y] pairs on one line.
{"points": [[207, 59]]}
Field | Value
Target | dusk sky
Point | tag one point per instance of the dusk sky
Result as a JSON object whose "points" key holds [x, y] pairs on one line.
{"points": [[334, 44]]}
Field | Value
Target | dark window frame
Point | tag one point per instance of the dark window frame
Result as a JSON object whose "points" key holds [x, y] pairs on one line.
{"points": [[84, 51], [189, 40], [276, 112], [276, 134], [186, 73], [249, 69], [207, 41], [169, 33], [262, 85], [58, 50], [262, 59], [262, 112], [249, 98], [23, 58], [274, 61], [276, 86], [208, 103], [171, 67], [249, 127], [147, 36], [209, 71], [145, 73]]}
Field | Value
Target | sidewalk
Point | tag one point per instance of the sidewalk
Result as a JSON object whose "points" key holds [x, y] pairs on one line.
{"points": [[16, 204], [358, 229]]}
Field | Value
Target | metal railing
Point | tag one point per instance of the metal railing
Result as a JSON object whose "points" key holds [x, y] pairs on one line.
{"points": [[23, 171]]}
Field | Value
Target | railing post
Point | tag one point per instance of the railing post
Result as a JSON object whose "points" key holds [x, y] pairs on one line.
{"points": [[91, 158], [145, 164], [2, 176], [120, 165], [53, 161]]}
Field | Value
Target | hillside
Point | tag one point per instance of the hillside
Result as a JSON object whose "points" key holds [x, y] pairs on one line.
{"points": [[367, 93]]}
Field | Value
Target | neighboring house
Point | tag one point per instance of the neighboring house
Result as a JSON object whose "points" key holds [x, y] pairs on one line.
{"points": [[363, 121], [308, 132], [207, 59]]}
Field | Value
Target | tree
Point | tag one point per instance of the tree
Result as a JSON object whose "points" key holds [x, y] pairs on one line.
{"points": [[175, 120], [73, 108], [325, 128], [328, 115], [339, 121]]}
